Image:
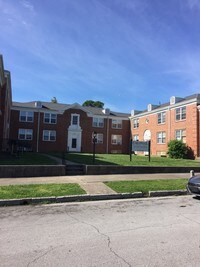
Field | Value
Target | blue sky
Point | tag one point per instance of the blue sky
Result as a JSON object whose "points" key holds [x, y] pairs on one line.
{"points": [[125, 53]]}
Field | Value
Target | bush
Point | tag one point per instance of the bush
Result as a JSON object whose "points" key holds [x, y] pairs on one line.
{"points": [[177, 149]]}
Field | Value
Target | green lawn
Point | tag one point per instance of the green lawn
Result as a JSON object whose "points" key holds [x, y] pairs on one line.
{"points": [[146, 186], [124, 160], [27, 158], [39, 190]]}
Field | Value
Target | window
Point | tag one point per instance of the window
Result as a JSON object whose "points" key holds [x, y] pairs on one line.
{"points": [[116, 139], [50, 118], [161, 117], [26, 116], [98, 122], [25, 134], [135, 123], [136, 137], [49, 135], [161, 137], [99, 138], [181, 113], [117, 124], [181, 135], [75, 119]]}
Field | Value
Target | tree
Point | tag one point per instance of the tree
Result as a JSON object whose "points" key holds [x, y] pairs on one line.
{"points": [[177, 149], [54, 100], [91, 103]]}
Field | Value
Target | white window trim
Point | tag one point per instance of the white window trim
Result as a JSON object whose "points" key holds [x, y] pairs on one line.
{"points": [[49, 135], [26, 116], [181, 113], [118, 124], [135, 123], [181, 134], [98, 139], [100, 122], [50, 118], [78, 120], [134, 137], [25, 134], [162, 114], [162, 138], [114, 138]]}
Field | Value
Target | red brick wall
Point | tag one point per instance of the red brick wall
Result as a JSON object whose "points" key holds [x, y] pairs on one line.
{"points": [[61, 128], [2, 116], [191, 124]]}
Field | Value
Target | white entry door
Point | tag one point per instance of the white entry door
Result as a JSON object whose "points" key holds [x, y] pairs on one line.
{"points": [[74, 141]]}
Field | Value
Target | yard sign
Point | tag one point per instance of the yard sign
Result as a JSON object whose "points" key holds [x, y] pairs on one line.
{"points": [[144, 146]]}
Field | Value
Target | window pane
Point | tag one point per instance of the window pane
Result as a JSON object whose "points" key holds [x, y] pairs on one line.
{"points": [[75, 120], [46, 117], [98, 122], [45, 135], [135, 123], [116, 139], [183, 113], [99, 138], [53, 118], [29, 116], [52, 135]]}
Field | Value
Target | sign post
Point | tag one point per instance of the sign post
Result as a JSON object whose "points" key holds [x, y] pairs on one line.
{"points": [[94, 137], [130, 149]]}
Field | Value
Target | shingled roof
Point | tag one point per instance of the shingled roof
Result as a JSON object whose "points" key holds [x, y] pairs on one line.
{"points": [[194, 96], [62, 107]]}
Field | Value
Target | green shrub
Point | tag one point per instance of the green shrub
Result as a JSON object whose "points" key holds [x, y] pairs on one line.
{"points": [[177, 149]]}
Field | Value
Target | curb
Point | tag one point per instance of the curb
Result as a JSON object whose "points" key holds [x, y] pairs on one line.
{"points": [[80, 198], [167, 193]]}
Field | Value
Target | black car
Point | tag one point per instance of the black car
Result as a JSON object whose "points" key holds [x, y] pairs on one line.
{"points": [[193, 185]]}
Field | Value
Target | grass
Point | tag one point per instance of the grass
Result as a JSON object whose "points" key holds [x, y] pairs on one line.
{"points": [[39, 190], [27, 158], [124, 160], [145, 186]]}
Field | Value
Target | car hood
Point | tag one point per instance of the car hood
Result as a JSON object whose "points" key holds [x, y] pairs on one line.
{"points": [[194, 179]]}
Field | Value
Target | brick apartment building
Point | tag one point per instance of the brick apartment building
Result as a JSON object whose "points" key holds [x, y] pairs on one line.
{"points": [[178, 119], [46, 126], [5, 104]]}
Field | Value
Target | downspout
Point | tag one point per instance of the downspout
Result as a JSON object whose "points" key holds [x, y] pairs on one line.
{"points": [[107, 135], [38, 131], [198, 131], [169, 125]]}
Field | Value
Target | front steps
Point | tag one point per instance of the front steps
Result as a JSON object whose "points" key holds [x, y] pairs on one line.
{"points": [[75, 169]]}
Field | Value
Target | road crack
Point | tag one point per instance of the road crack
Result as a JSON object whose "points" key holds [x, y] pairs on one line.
{"points": [[104, 235], [41, 256]]}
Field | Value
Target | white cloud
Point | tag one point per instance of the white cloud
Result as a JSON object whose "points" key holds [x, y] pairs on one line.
{"points": [[193, 4], [26, 4]]}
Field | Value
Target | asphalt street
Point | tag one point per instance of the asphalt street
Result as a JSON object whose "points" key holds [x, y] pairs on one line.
{"points": [[139, 232]]}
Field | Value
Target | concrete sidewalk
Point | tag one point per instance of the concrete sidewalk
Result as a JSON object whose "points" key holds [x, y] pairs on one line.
{"points": [[92, 184]]}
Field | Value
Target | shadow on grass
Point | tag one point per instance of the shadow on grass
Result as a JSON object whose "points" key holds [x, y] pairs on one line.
{"points": [[25, 158], [87, 159]]}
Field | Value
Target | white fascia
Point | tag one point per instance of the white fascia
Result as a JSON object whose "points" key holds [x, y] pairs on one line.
{"points": [[169, 107]]}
